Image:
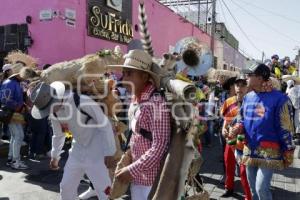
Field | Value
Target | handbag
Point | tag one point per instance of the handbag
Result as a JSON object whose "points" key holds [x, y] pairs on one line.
{"points": [[6, 114]]}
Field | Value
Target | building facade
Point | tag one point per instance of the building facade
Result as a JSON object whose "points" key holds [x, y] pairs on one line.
{"points": [[55, 30]]}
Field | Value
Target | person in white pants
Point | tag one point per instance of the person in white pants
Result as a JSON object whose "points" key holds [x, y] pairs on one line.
{"points": [[93, 142]]}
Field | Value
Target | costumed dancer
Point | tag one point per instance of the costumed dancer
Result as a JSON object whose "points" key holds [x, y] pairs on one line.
{"points": [[229, 111], [268, 126]]}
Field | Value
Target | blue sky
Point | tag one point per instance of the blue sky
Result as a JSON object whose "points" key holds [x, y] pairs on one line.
{"points": [[273, 26]]}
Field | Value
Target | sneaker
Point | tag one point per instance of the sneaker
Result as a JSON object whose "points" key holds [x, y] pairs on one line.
{"points": [[88, 194], [33, 158], [4, 137], [18, 165], [9, 162]]}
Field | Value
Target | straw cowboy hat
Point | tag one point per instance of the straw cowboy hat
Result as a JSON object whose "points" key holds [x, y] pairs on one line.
{"points": [[139, 60], [43, 96]]}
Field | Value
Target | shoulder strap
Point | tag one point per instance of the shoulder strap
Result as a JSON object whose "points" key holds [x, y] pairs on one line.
{"points": [[146, 134], [76, 98], [143, 132], [128, 137]]}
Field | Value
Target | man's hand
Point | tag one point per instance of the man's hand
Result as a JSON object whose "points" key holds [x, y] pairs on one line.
{"points": [[225, 132], [54, 164], [124, 175], [110, 162]]}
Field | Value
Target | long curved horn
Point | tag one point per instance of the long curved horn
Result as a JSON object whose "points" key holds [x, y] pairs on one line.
{"points": [[144, 32]]}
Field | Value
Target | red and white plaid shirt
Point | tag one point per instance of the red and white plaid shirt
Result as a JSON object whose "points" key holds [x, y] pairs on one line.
{"points": [[153, 115]]}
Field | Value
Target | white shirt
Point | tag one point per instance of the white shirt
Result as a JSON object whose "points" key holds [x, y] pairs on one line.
{"points": [[92, 141]]}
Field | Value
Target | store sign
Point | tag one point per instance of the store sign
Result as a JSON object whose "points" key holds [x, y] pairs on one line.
{"points": [[46, 15], [70, 14], [107, 23]]}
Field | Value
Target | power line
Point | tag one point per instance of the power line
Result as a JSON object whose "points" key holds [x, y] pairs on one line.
{"points": [[264, 23], [226, 22], [269, 41], [245, 54], [271, 12], [241, 29], [223, 13]]}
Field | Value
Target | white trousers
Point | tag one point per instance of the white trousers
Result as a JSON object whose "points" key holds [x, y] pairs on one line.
{"points": [[139, 192], [73, 173]]}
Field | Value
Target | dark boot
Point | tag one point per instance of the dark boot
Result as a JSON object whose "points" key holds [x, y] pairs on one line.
{"points": [[228, 193]]}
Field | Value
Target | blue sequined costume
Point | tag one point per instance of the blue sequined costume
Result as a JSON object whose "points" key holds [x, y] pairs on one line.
{"points": [[268, 125]]}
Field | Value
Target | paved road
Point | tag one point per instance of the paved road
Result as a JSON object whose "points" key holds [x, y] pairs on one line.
{"points": [[36, 183], [285, 184], [39, 183]]}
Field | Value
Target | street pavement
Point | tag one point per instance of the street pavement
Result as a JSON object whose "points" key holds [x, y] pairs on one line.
{"points": [[285, 183], [36, 183], [40, 183]]}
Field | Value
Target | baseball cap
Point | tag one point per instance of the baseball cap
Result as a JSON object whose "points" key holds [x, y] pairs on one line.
{"points": [[241, 79], [259, 70], [275, 56]]}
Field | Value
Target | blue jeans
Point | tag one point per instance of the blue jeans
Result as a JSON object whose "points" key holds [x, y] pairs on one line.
{"points": [[260, 182], [16, 139]]}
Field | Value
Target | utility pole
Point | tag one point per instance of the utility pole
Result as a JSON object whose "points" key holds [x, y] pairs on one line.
{"points": [[263, 57], [298, 62], [213, 30], [199, 7]]}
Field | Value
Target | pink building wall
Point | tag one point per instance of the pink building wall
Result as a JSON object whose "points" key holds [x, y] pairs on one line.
{"points": [[54, 41]]}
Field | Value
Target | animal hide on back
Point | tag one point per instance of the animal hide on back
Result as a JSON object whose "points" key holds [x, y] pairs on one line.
{"points": [[84, 73]]}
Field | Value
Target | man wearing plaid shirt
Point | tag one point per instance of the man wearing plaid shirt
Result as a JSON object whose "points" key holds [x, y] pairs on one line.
{"points": [[149, 121]]}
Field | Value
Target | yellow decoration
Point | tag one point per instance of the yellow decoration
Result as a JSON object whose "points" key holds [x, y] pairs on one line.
{"points": [[292, 69], [200, 95], [277, 72], [68, 134], [182, 77], [286, 121]]}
